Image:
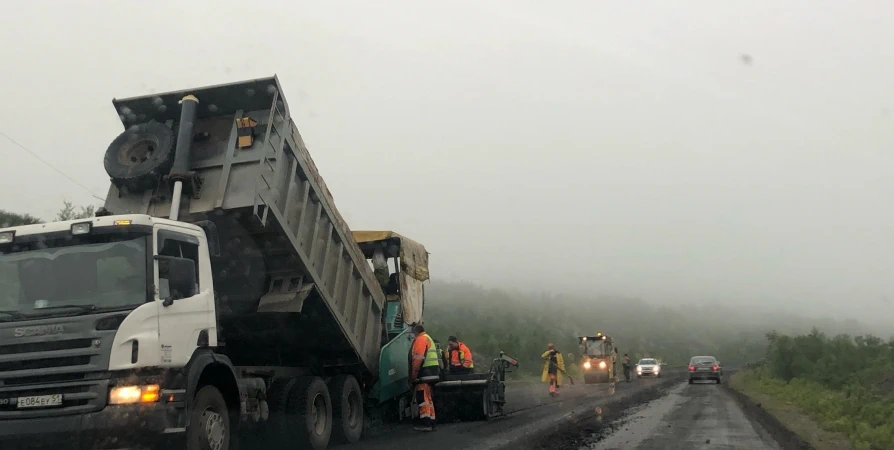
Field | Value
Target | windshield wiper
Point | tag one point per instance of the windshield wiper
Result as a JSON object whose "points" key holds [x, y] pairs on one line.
{"points": [[14, 314], [84, 308]]}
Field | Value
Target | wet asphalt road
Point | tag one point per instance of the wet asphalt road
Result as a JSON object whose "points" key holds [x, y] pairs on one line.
{"points": [[647, 414], [698, 416], [532, 415]]}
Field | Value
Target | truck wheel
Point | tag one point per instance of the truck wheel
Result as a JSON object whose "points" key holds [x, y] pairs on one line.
{"points": [[347, 409], [278, 395], [140, 155], [309, 413], [209, 424]]}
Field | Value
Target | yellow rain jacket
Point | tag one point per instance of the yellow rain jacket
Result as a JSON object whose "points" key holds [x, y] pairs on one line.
{"points": [[559, 374]]}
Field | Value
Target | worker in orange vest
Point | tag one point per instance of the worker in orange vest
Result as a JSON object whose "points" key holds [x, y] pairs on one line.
{"points": [[459, 356], [424, 373]]}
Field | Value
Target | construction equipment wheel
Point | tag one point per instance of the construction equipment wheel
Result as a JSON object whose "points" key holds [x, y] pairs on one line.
{"points": [[347, 409], [309, 414], [139, 156]]}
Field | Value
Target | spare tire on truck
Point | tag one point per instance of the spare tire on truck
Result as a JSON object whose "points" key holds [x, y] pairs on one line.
{"points": [[139, 156]]}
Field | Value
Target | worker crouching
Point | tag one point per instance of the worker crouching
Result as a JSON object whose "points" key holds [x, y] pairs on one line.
{"points": [[553, 368], [459, 357], [424, 372]]}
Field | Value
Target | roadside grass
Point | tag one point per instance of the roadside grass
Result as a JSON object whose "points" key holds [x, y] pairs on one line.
{"points": [[807, 409]]}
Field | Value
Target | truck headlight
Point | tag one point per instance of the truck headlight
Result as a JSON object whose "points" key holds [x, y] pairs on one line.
{"points": [[587, 365], [125, 395], [602, 364], [7, 237], [80, 228]]}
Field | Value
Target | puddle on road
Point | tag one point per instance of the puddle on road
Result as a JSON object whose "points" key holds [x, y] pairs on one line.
{"points": [[640, 423]]}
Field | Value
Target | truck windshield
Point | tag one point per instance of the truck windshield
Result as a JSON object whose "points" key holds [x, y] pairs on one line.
{"points": [[594, 350], [73, 275]]}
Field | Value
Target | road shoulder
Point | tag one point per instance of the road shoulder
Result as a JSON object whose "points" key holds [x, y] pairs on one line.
{"points": [[791, 428]]}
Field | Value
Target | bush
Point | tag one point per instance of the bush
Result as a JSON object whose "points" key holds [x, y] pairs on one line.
{"points": [[842, 382]]}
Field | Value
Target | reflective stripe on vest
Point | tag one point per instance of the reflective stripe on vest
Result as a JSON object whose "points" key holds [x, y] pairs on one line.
{"points": [[431, 355]]}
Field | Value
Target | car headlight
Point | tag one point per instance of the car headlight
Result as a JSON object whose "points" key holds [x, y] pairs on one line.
{"points": [[602, 364], [125, 395], [587, 365], [657, 369], [639, 369]]}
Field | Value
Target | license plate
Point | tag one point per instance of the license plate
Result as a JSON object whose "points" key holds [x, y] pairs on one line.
{"points": [[40, 401], [703, 369]]}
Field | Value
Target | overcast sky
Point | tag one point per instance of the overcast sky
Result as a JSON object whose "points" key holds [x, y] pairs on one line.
{"points": [[623, 147]]}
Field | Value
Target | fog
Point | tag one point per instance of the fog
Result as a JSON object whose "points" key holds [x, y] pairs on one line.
{"points": [[702, 153]]}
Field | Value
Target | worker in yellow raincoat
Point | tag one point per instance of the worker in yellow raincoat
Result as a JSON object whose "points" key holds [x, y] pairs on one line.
{"points": [[553, 369]]}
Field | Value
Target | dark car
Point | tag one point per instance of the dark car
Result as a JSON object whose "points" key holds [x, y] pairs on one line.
{"points": [[705, 368]]}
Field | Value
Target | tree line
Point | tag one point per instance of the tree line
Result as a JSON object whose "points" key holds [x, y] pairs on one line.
{"points": [[844, 382], [68, 212], [521, 324]]}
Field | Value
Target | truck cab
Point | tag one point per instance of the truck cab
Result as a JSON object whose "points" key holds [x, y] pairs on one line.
{"points": [[92, 313]]}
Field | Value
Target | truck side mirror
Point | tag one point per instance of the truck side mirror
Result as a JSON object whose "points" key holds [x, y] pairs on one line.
{"points": [[180, 274]]}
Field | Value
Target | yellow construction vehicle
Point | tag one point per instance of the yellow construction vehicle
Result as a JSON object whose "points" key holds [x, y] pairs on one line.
{"points": [[598, 357]]}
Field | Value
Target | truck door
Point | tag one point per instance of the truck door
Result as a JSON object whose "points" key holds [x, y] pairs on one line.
{"points": [[185, 323]]}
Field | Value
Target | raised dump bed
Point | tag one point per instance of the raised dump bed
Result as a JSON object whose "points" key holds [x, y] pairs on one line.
{"points": [[289, 270]]}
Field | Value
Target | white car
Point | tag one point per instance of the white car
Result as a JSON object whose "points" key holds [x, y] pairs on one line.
{"points": [[648, 367]]}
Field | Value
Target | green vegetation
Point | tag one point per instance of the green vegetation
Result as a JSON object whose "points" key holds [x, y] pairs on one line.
{"points": [[844, 383], [11, 219], [521, 324], [786, 412]]}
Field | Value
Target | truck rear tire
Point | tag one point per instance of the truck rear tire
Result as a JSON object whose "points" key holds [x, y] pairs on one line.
{"points": [[347, 409], [139, 156], [209, 424], [309, 412]]}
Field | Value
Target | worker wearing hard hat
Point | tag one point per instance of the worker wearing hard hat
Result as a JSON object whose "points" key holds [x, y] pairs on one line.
{"points": [[553, 368], [459, 357]]}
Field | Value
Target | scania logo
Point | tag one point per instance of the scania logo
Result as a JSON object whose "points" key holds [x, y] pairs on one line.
{"points": [[38, 330]]}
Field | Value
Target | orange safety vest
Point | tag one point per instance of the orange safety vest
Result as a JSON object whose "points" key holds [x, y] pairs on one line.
{"points": [[461, 356]]}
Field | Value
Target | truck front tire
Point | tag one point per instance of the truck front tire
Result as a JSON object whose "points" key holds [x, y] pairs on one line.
{"points": [[309, 412], [347, 409], [209, 424]]}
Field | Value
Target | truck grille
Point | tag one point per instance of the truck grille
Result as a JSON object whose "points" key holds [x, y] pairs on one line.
{"points": [[45, 363], [52, 346], [76, 398], [69, 367]]}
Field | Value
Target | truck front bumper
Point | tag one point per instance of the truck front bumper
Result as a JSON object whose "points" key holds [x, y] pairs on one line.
{"points": [[113, 427]]}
